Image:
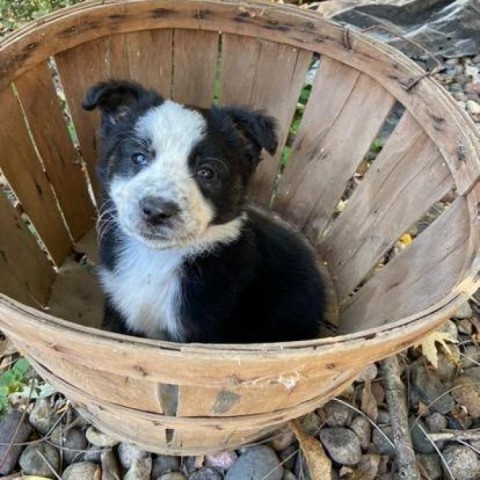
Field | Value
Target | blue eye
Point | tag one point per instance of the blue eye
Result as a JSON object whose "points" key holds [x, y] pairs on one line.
{"points": [[139, 159]]}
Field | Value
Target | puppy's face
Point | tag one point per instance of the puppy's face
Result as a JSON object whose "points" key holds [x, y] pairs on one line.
{"points": [[172, 171]]}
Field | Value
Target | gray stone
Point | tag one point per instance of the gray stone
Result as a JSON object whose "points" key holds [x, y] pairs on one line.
{"points": [[463, 462], [283, 439], [470, 357], [93, 454], [431, 390], [37, 457], [42, 417], [287, 475], [464, 311], [465, 326], [164, 464], [467, 391], [255, 464], [128, 453], [110, 466], [362, 427], [141, 469], [370, 372], [172, 476], [450, 328], [223, 460], [311, 424], [420, 442], [380, 442], [73, 442], [473, 107], [81, 471], [342, 445], [289, 456], [436, 422], [338, 415], [431, 464], [206, 473], [99, 439], [14, 428], [383, 417]]}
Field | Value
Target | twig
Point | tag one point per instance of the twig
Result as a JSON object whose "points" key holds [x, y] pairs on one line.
{"points": [[456, 435], [397, 405]]}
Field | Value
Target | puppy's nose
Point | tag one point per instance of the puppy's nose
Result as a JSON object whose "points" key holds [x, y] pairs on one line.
{"points": [[156, 210]]}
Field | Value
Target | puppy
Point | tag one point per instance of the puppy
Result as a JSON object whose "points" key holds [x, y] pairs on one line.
{"points": [[182, 255]]}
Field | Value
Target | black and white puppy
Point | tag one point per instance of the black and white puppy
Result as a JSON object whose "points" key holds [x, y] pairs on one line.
{"points": [[182, 257]]}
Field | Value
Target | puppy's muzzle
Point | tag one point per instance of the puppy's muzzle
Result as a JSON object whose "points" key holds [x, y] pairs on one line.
{"points": [[157, 211]]}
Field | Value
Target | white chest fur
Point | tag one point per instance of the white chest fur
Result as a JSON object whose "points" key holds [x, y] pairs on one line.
{"points": [[145, 287]]}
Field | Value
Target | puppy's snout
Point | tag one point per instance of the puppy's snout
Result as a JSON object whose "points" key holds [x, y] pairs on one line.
{"points": [[156, 210]]}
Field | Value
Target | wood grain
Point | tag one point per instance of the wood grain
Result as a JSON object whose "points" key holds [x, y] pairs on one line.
{"points": [[22, 167], [59, 157]]}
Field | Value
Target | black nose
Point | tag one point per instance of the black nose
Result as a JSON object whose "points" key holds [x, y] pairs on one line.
{"points": [[156, 210]]}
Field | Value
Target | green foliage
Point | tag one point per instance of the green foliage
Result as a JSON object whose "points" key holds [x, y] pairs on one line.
{"points": [[11, 381]]}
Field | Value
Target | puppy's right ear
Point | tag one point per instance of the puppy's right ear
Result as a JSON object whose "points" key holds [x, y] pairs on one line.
{"points": [[117, 100]]}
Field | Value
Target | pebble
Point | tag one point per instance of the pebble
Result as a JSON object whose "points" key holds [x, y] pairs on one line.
{"points": [[473, 88], [311, 424], [110, 466], [431, 390], [370, 372], [283, 439], [287, 475], [342, 445], [463, 311], [470, 357], [93, 454], [383, 447], [465, 326], [32, 463], [164, 464], [141, 469], [383, 417], [128, 453], [469, 393], [171, 476], [288, 456], [99, 439], [81, 471], [432, 465], [446, 368], [255, 464], [463, 462], [223, 460], [362, 427], [8, 427], [42, 417], [436, 422], [73, 441], [420, 441], [206, 473], [473, 107], [451, 328], [338, 415]]}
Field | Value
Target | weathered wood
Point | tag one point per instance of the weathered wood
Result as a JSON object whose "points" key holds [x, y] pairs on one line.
{"points": [[21, 165], [265, 76], [405, 180], [59, 157], [195, 55]]}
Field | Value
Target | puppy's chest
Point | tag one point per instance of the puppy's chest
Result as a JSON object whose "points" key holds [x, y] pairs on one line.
{"points": [[145, 286]]}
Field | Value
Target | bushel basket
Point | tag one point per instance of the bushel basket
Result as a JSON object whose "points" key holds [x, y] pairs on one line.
{"points": [[423, 184]]}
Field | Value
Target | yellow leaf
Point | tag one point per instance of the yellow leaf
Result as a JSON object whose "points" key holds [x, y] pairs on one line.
{"points": [[318, 463], [429, 345], [406, 239]]}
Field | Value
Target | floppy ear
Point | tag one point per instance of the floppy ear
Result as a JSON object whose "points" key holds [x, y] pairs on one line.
{"points": [[259, 130], [117, 100]]}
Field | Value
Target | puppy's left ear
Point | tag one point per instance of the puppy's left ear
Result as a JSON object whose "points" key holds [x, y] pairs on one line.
{"points": [[258, 129]]}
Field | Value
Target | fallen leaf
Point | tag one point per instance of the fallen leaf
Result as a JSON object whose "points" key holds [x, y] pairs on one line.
{"points": [[429, 345], [318, 463], [406, 239], [367, 468], [369, 404]]}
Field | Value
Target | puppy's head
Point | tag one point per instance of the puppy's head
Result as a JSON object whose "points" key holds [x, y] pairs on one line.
{"points": [[173, 171]]}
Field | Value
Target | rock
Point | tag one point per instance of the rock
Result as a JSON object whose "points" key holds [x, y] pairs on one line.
{"points": [[164, 464], [382, 445], [311, 424], [446, 369], [420, 442], [362, 427], [171, 476], [470, 357], [93, 454], [255, 464], [370, 372], [288, 475], [42, 417], [338, 415], [342, 445], [473, 107], [14, 428], [282, 440], [289, 456], [463, 311], [37, 457], [431, 464], [473, 88], [206, 473], [450, 328], [73, 442], [431, 390], [383, 417], [128, 453], [459, 96], [436, 422], [463, 462], [465, 326], [110, 466], [141, 469], [468, 395], [222, 460], [99, 439], [82, 471]]}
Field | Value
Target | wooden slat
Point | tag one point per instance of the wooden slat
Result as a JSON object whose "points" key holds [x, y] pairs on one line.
{"points": [[405, 180], [417, 277], [22, 167], [60, 159], [194, 65], [25, 273], [330, 148], [264, 76]]}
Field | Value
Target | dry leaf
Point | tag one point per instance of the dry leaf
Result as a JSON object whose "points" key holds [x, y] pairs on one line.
{"points": [[429, 345], [406, 239], [367, 468], [369, 404], [318, 463]]}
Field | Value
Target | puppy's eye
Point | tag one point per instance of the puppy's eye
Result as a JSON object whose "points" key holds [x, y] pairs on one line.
{"points": [[139, 159], [206, 173]]}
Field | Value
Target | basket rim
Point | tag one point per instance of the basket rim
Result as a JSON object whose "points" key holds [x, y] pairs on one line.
{"points": [[439, 310]]}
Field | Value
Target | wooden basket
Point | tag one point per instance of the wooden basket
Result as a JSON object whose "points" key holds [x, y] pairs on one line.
{"points": [[192, 399]]}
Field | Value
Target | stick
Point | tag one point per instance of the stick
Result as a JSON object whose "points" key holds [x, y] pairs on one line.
{"points": [[456, 435], [396, 398]]}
